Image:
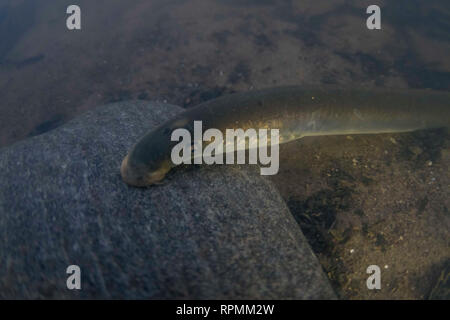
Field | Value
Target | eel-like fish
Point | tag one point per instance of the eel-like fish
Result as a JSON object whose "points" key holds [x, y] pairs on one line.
{"points": [[297, 112]]}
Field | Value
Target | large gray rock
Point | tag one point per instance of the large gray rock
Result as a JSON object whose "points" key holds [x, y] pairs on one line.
{"points": [[208, 232]]}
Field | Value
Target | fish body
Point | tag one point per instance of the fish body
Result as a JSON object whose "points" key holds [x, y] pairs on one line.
{"points": [[296, 112]]}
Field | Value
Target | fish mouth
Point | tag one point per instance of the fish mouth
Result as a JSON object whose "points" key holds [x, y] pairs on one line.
{"points": [[136, 178]]}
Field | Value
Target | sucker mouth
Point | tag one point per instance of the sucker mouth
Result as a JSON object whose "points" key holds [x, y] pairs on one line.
{"points": [[124, 172], [140, 180]]}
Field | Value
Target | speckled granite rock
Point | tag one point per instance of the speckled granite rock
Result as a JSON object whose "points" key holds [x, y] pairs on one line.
{"points": [[208, 232]]}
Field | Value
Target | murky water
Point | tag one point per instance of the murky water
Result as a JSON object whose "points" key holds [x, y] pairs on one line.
{"points": [[188, 51]]}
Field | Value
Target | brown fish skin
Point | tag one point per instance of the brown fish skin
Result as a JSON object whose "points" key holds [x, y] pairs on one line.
{"points": [[296, 112]]}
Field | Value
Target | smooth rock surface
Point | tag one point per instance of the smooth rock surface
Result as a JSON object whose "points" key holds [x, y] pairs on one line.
{"points": [[208, 232]]}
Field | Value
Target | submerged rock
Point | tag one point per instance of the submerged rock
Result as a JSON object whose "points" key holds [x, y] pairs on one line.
{"points": [[207, 232]]}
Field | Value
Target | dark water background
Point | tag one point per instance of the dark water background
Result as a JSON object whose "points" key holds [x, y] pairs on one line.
{"points": [[188, 51]]}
